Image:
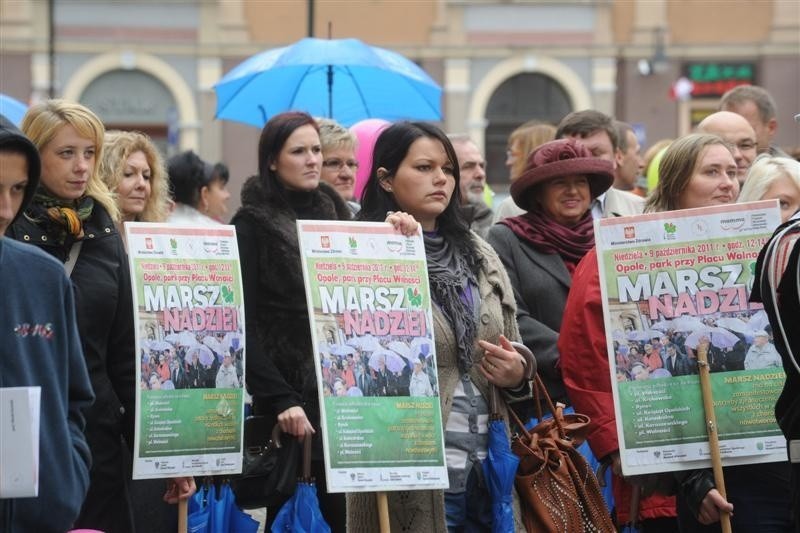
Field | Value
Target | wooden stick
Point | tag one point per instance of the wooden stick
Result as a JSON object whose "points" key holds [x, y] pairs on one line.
{"points": [[183, 513], [711, 427], [383, 511]]}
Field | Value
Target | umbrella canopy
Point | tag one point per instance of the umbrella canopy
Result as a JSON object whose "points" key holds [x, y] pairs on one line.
{"points": [[421, 345], [204, 354], [159, 346], [499, 470], [394, 362], [233, 340], [343, 79], [214, 344], [184, 338], [686, 323], [378, 356], [367, 343], [341, 349], [719, 337], [12, 109], [645, 335], [735, 324]]}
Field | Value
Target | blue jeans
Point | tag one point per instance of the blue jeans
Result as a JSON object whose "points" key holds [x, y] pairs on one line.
{"points": [[469, 511]]}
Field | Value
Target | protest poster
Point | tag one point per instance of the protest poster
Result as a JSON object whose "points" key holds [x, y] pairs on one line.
{"points": [[670, 282], [190, 350], [375, 357]]}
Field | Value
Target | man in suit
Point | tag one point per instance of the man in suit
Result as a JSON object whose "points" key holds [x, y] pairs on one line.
{"points": [[677, 363], [597, 132]]}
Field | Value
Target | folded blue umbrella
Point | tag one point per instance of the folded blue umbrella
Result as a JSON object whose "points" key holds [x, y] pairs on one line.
{"points": [[499, 470], [212, 511], [301, 513]]}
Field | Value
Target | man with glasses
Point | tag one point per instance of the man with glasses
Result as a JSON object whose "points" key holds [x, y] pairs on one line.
{"points": [[339, 163], [735, 130], [757, 106]]}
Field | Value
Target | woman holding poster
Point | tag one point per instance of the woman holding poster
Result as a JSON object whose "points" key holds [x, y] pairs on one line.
{"points": [[415, 169], [541, 248], [72, 217], [696, 171], [280, 365]]}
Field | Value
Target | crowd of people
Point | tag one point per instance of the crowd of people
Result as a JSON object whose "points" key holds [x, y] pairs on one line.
{"points": [[525, 271], [377, 370]]}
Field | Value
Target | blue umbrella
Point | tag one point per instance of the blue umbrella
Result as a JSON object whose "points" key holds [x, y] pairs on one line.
{"points": [[343, 79], [12, 109], [301, 512], [499, 469], [212, 512]]}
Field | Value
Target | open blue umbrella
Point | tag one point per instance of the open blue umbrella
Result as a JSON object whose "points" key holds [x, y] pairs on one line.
{"points": [[343, 79], [12, 109]]}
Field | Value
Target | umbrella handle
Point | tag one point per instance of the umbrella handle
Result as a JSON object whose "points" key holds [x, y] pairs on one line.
{"points": [[276, 439]]}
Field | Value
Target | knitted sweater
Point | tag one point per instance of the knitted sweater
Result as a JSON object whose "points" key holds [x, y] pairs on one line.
{"points": [[423, 511]]}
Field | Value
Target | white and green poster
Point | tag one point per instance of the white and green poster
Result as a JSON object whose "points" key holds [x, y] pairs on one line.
{"points": [[190, 361], [673, 282], [371, 321]]}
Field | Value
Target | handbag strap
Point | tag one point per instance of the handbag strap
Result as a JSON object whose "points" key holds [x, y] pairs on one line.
{"points": [[72, 257]]}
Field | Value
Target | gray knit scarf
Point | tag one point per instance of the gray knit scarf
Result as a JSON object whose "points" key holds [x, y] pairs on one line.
{"points": [[449, 276]]}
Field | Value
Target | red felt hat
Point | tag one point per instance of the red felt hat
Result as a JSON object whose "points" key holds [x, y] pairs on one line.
{"points": [[555, 159]]}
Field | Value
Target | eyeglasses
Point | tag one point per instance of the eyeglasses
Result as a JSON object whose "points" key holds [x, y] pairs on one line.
{"points": [[746, 145], [338, 164]]}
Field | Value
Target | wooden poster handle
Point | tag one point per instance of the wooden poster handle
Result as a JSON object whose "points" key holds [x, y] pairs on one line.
{"points": [[383, 511], [711, 428], [183, 513]]}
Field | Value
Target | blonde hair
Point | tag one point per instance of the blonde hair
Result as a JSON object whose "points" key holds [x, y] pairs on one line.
{"points": [[117, 148], [676, 170], [333, 135], [42, 122], [764, 170], [528, 137]]}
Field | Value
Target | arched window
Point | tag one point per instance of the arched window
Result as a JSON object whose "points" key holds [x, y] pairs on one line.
{"points": [[519, 99]]}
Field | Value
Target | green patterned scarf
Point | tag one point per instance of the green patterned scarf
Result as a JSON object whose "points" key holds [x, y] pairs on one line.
{"points": [[61, 218]]}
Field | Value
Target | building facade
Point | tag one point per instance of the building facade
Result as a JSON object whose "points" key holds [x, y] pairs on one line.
{"points": [[151, 65]]}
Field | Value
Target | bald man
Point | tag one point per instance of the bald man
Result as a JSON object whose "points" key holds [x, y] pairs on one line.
{"points": [[735, 130]]}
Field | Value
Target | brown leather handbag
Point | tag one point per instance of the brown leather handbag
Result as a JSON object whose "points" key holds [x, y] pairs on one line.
{"points": [[558, 491]]}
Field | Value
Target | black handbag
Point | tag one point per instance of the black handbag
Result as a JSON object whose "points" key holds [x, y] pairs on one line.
{"points": [[269, 465]]}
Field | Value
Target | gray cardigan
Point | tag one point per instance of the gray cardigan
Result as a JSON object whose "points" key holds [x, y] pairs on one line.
{"points": [[541, 283], [423, 511]]}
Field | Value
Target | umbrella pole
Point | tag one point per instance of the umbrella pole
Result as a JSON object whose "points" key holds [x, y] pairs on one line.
{"points": [[183, 512], [383, 511], [711, 427]]}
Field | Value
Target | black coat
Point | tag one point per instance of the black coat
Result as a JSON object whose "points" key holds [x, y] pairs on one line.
{"points": [[104, 309], [280, 364]]}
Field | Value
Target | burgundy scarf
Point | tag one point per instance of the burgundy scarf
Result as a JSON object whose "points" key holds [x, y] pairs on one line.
{"points": [[550, 237]]}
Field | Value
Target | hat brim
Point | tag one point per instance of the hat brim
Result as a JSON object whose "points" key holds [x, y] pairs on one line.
{"points": [[599, 172]]}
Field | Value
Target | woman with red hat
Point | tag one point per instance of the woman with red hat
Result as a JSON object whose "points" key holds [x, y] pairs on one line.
{"points": [[541, 248]]}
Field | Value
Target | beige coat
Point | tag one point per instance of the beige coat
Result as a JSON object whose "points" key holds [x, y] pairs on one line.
{"points": [[423, 511]]}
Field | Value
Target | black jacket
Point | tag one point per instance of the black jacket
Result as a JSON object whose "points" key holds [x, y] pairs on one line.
{"points": [[104, 310], [280, 364]]}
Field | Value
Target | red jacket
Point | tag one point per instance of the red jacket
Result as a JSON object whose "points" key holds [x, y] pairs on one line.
{"points": [[584, 367]]}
